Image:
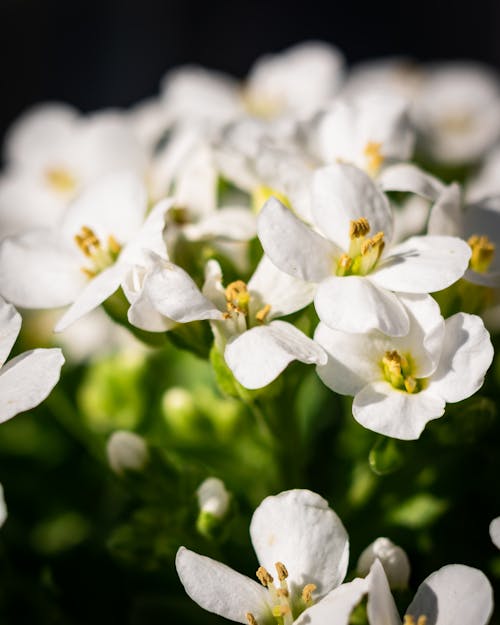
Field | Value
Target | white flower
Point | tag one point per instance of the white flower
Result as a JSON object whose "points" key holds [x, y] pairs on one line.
{"points": [[52, 153], [393, 559], [213, 498], [298, 539], [27, 379], [102, 236], [399, 384], [453, 594], [357, 274], [495, 532], [126, 451], [3, 507]]}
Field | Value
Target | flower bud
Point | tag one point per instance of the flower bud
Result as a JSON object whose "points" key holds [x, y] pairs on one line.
{"points": [[3, 507], [495, 531], [126, 452], [393, 559], [213, 500]]}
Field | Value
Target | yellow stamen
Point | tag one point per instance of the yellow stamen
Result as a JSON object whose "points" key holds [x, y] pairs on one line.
{"points": [[113, 245], [281, 570], [280, 610], [371, 250], [101, 257], [483, 251], [283, 592], [359, 228], [374, 158], [261, 314], [237, 297], [251, 619], [408, 619], [264, 577], [88, 272], [397, 371], [307, 593], [262, 193], [60, 180]]}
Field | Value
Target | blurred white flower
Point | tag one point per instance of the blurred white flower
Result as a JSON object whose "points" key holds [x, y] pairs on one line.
{"points": [[393, 559], [126, 451], [495, 532], [52, 153], [297, 537], [3, 507], [27, 379], [399, 384], [213, 498], [357, 275]]}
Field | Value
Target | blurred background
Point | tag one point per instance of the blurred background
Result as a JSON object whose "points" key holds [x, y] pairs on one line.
{"points": [[114, 52]]}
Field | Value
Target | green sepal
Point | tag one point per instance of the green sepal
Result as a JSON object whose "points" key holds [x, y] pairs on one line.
{"points": [[385, 457]]}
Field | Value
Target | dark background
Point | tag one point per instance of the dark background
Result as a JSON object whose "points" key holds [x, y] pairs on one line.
{"points": [[113, 52]]}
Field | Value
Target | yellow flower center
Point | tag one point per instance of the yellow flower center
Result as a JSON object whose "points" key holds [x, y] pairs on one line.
{"points": [[265, 106], [61, 180], [364, 252], [285, 609], [398, 371], [100, 257], [373, 156], [238, 300], [483, 251], [179, 215], [261, 194], [457, 123], [410, 620]]}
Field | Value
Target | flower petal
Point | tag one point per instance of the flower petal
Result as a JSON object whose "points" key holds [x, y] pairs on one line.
{"points": [[257, 357], [466, 355], [409, 178], [3, 507], [381, 408], [342, 193], [298, 529], [381, 607], [355, 304], [292, 246], [337, 606], [93, 295], [10, 324], [446, 217], [219, 589], [235, 224], [495, 531], [175, 295], [423, 264], [25, 381], [454, 594]]}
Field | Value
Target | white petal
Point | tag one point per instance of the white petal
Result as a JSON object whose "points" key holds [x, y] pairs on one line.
{"points": [[3, 507], [337, 606], [446, 216], [495, 531], [114, 205], [39, 270], [93, 295], [467, 354], [219, 589], [10, 324], [284, 293], [149, 237], [454, 594], [236, 224], [381, 408], [342, 193], [405, 177], [381, 607], [292, 246], [25, 381], [260, 354], [175, 295], [355, 304], [298, 529], [423, 264]]}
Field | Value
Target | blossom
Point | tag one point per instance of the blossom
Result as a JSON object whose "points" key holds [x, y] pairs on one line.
{"points": [[399, 384], [213, 498], [357, 275], [495, 531], [85, 259], [27, 379], [393, 559], [52, 153], [296, 537], [454, 593], [126, 451]]}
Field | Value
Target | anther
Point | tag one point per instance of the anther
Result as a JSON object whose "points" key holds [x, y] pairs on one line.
{"points": [[264, 577], [408, 619], [373, 155], [60, 179], [377, 241], [113, 245], [237, 297], [283, 592], [359, 228], [281, 570], [251, 619], [307, 593], [483, 251], [262, 313], [280, 610]]}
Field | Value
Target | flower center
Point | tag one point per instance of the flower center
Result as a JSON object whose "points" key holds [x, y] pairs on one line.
{"points": [[457, 123], [398, 372], [373, 156], [363, 252], [262, 193], [60, 180], [283, 607], [483, 251], [101, 257], [237, 303], [257, 104], [410, 620], [179, 215]]}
